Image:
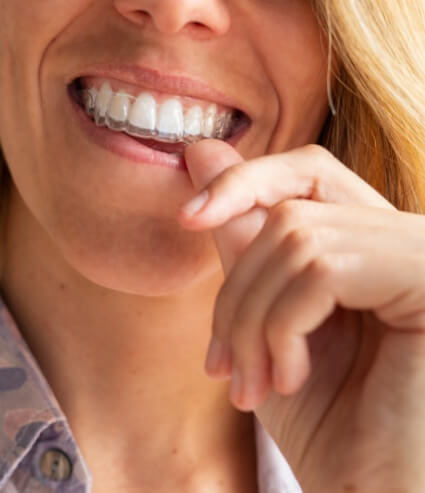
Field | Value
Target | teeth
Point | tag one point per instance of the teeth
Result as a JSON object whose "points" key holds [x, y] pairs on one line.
{"points": [[223, 122], [193, 121], [209, 121], [89, 99], [143, 112], [102, 103], [118, 109], [170, 120], [143, 117]]}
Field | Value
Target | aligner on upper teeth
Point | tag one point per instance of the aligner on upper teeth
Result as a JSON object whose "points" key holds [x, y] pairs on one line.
{"points": [[141, 116]]}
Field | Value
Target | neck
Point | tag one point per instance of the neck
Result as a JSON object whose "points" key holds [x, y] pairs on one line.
{"points": [[128, 364]]}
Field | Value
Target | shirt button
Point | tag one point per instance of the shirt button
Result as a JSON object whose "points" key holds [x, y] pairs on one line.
{"points": [[55, 465]]}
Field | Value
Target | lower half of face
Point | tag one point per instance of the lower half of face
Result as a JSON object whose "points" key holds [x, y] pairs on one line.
{"points": [[99, 102]]}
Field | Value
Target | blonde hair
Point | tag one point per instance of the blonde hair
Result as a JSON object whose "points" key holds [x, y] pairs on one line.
{"points": [[379, 96]]}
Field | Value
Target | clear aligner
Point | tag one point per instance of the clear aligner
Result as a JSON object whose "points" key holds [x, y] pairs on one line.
{"points": [[220, 124]]}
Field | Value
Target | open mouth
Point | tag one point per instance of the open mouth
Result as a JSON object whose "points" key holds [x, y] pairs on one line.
{"points": [[162, 122]]}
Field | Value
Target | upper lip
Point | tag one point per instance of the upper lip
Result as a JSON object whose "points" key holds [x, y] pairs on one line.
{"points": [[153, 79]]}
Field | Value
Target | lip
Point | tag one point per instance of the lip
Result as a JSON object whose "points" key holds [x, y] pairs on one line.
{"points": [[150, 78], [121, 144]]}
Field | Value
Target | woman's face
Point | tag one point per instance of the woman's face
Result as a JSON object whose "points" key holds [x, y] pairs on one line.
{"points": [[112, 216]]}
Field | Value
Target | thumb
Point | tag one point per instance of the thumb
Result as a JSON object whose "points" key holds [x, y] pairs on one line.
{"points": [[205, 160]]}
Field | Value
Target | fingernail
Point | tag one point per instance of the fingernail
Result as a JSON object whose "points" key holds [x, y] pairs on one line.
{"points": [[214, 355], [196, 204], [236, 386]]}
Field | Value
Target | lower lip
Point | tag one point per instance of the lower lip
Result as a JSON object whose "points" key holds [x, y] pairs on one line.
{"points": [[125, 146]]}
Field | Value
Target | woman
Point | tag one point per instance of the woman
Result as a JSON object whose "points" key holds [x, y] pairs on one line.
{"points": [[305, 265]]}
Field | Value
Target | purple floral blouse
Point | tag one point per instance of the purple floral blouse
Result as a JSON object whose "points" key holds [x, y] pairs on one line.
{"points": [[38, 453]]}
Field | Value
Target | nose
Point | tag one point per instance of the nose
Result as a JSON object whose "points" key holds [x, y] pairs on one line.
{"points": [[206, 17]]}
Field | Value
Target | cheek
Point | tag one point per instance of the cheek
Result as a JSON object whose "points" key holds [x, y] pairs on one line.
{"points": [[30, 28], [298, 60], [39, 16], [26, 34], [295, 50]]}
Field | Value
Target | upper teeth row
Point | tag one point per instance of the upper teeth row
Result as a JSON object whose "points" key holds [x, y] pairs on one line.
{"points": [[143, 117]]}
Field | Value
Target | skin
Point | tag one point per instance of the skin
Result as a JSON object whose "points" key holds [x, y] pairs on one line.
{"points": [[101, 260], [321, 319], [95, 257]]}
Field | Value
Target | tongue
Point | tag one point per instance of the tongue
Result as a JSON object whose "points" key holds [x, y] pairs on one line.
{"points": [[162, 146]]}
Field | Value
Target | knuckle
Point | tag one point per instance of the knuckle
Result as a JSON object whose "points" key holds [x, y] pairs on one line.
{"points": [[322, 161], [321, 267], [318, 152], [286, 214], [301, 245], [299, 238], [407, 309], [235, 175], [313, 148]]}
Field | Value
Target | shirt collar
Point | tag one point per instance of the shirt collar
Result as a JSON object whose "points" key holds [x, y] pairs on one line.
{"points": [[31, 418], [29, 411], [273, 471]]}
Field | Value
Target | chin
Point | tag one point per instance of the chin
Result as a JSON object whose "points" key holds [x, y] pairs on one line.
{"points": [[149, 271]]}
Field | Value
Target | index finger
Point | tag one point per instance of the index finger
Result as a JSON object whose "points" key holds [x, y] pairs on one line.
{"points": [[309, 172]]}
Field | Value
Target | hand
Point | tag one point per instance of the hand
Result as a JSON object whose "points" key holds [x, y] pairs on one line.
{"points": [[321, 318]]}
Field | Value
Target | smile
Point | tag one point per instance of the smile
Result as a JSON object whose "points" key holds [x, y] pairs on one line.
{"points": [[148, 114]]}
